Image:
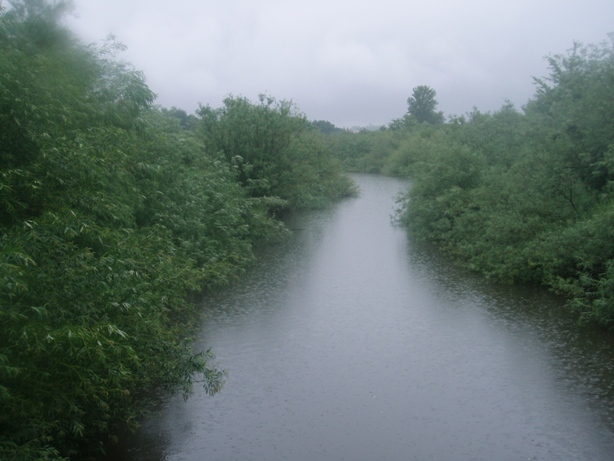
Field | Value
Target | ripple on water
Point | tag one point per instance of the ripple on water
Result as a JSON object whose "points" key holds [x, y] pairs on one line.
{"points": [[353, 342]]}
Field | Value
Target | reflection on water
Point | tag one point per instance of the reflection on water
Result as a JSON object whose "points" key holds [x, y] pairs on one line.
{"points": [[351, 342]]}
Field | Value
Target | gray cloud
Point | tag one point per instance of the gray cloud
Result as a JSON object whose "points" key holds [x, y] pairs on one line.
{"points": [[349, 62]]}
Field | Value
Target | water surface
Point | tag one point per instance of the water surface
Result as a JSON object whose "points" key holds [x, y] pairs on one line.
{"points": [[350, 342]]}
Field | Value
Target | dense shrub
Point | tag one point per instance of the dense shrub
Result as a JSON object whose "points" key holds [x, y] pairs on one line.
{"points": [[112, 212], [527, 197]]}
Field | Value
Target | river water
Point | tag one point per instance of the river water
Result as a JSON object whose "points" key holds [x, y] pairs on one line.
{"points": [[351, 342]]}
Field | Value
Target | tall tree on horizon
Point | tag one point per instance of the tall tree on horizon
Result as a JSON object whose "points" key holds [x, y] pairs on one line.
{"points": [[422, 105]]}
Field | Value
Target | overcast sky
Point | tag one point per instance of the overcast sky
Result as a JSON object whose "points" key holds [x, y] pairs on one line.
{"points": [[348, 62]]}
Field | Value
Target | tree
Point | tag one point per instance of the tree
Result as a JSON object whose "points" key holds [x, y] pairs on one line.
{"points": [[422, 105], [325, 127], [187, 122], [525, 197], [110, 215], [274, 151]]}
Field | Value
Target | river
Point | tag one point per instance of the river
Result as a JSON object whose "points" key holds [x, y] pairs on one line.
{"points": [[352, 342]]}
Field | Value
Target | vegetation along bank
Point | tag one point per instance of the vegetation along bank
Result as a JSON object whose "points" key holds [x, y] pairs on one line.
{"points": [[521, 196], [112, 211]]}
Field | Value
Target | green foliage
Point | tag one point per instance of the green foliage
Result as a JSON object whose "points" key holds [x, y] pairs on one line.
{"points": [[449, 172], [274, 151], [350, 148], [422, 106], [526, 196], [187, 122], [325, 127], [578, 260], [194, 195], [389, 150], [365, 151], [111, 214], [411, 146], [574, 105], [315, 178]]}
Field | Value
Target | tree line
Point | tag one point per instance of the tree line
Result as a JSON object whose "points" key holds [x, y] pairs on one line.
{"points": [[523, 196], [113, 211]]}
